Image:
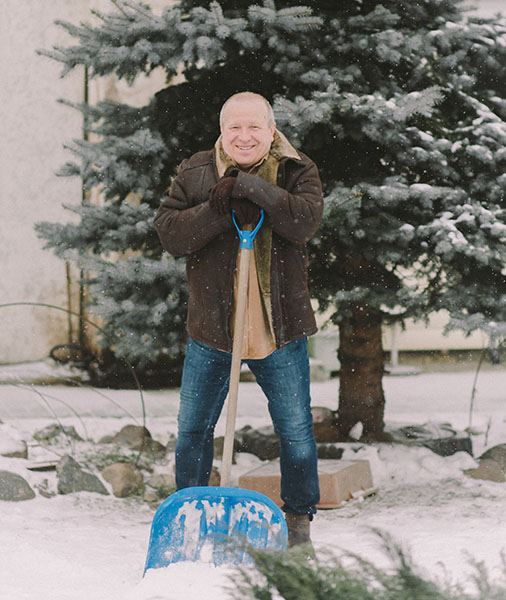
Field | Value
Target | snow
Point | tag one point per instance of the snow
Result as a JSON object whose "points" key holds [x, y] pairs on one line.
{"points": [[10, 440], [93, 547]]}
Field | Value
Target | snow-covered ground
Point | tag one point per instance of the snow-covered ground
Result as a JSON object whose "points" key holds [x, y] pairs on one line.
{"points": [[93, 547]]}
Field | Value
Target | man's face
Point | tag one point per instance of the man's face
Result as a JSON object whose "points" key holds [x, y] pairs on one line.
{"points": [[246, 135]]}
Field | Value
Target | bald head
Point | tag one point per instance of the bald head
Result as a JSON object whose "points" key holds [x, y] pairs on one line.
{"points": [[247, 128], [254, 99]]}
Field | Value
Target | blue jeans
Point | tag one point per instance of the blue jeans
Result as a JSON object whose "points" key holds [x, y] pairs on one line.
{"points": [[284, 378]]}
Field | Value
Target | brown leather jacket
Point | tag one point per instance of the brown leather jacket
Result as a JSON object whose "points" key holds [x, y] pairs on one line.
{"points": [[188, 226]]}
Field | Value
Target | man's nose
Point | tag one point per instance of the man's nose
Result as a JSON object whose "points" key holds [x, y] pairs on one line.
{"points": [[244, 134]]}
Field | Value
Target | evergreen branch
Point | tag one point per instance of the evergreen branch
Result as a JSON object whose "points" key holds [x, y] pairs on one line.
{"points": [[217, 12], [98, 14], [119, 7], [136, 6], [52, 54]]}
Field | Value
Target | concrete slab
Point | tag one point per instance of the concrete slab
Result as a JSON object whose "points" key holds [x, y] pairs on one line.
{"points": [[340, 481]]}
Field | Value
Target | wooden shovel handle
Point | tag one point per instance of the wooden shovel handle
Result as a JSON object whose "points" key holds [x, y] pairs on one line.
{"points": [[235, 369]]}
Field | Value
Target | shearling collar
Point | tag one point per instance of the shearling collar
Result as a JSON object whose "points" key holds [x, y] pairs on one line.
{"points": [[280, 148]]}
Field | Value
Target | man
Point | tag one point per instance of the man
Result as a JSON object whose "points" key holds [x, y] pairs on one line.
{"points": [[252, 167]]}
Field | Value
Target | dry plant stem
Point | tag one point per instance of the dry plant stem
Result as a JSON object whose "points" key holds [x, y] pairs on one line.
{"points": [[98, 328], [100, 393], [473, 393], [66, 404]]}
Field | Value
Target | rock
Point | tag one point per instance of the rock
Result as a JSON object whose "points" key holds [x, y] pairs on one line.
{"points": [[13, 488], [139, 438], [262, 442], [157, 449], [487, 469], [134, 436], [322, 414], [71, 478], [324, 425], [329, 451], [215, 478], [218, 446], [449, 446], [125, 479], [171, 444], [17, 450], [11, 443], [163, 485], [440, 438], [492, 465], [498, 454], [43, 489], [151, 497], [165, 481], [51, 432]]}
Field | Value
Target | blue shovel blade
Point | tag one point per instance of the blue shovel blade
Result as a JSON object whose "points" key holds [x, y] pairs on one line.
{"points": [[214, 525]]}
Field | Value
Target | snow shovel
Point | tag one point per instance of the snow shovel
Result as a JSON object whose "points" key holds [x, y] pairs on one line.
{"points": [[217, 524]]}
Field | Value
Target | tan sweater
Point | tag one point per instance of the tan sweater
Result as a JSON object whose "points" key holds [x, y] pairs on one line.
{"points": [[258, 341]]}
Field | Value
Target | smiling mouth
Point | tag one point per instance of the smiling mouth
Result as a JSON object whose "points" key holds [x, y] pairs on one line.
{"points": [[245, 147]]}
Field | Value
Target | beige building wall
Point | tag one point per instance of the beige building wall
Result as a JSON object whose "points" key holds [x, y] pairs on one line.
{"points": [[33, 130]]}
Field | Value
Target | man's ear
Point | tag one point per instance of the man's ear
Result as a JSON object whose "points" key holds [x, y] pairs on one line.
{"points": [[273, 129]]}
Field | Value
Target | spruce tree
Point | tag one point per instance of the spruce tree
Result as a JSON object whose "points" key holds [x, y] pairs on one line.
{"points": [[400, 104]]}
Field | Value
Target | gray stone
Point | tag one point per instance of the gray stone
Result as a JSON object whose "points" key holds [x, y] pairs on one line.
{"points": [[139, 438], [487, 469], [13, 488], [11, 443], [71, 478], [43, 489], [220, 440], [329, 451], [151, 497], [262, 442], [51, 432], [449, 446], [14, 449], [497, 453], [156, 449], [215, 478], [440, 438], [125, 479], [162, 486], [171, 444], [492, 465], [162, 480], [134, 436], [325, 424]]}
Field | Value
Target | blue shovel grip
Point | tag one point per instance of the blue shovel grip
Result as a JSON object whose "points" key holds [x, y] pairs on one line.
{"points": [[247, 237]]}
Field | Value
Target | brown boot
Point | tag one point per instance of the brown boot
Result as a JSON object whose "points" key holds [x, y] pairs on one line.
{"points": [[298, 533]]}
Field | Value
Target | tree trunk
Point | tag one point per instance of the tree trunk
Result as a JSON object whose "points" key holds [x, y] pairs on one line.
{"points": [[361, 397]]}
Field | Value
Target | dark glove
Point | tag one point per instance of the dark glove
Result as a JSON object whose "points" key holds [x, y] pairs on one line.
{"points": [[231, 172], [246, 212], [219, 196]]}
